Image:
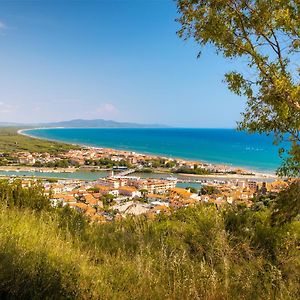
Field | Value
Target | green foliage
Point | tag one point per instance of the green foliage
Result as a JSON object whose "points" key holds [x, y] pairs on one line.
{"points": [[287, 204], [108, 163], [11, 141], [71, 221], [198, 171], [195, 253], [266, 35], [156, 162], [159, 162], [60, 163], [13, 195], [192, 189], [145, 170], [170, 164], [107, 200], [261, 201], [209, 190]]}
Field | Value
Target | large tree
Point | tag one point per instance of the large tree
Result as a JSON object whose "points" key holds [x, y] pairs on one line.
{"points": [[265, 34]]}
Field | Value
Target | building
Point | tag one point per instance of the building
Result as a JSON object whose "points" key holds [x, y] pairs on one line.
{"points": [[154, 186], [129, 191], [106, 190], [252, 185]]}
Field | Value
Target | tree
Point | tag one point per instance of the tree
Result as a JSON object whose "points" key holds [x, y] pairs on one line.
{"points": [[144, 192], [14, 195], [209, 190], [287, 206], [265, 34], [192, 189]]}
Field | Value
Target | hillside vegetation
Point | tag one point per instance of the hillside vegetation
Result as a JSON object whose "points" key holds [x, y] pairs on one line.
{"points": [[196, 253], [11, 141]]}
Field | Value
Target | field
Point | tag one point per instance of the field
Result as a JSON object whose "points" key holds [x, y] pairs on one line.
{"points": [[11, 141], [196, 253]]}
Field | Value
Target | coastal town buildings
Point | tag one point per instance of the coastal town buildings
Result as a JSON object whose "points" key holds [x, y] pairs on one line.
{"points": [[104, 158], [113, 198], [125, 191]]}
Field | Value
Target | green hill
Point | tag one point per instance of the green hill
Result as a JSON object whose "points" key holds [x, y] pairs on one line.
{"points": [[83, 123], [11, 141], [196, 253]]}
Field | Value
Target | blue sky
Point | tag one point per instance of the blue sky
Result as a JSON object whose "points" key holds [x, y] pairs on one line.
{"points": [[119, 60]]}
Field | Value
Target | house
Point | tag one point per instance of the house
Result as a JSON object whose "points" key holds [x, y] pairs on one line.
{"points": [[179, 193], [79, 206], [69, 199], [89, 199], [106, 190], [132, 208], [252, 185], [25, 158], [129, 191], [57, 188], [109, 182], [64, 199], [156, 197], [92, 201]]}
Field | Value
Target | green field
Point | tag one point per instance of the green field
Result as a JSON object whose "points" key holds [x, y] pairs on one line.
{"points": [[195, 253], [11, 141]]}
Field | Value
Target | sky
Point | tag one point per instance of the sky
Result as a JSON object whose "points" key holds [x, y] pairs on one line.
{"points": [[116, 60]]}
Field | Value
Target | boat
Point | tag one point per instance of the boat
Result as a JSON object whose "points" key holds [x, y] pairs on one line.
{"points": [[172, 178]]}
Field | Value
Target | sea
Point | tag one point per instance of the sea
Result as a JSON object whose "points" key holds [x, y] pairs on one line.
{"points": [[222, 146]]}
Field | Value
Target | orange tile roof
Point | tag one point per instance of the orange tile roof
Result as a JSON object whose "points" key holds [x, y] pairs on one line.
{"points": [[161, 207], [81, 205], [58, 196], [156, 196], [128, 188]]}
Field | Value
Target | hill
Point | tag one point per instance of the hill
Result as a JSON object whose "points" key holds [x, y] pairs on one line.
{"points": [[195, 253], [11, 141], [81, 123]]}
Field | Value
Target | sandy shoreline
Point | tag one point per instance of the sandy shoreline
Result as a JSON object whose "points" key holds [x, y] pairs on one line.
{"points": [[256, 174], [232, 176]]}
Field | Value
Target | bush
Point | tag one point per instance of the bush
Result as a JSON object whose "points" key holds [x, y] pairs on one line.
{"points": [[195, 253]]}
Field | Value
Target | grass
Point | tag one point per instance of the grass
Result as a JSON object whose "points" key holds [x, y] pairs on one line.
{"points": [[195, 253], [11, 141], [189, 256]]}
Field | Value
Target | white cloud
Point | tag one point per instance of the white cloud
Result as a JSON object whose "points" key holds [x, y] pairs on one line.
{"points": [[2, 26], [107, 110]]}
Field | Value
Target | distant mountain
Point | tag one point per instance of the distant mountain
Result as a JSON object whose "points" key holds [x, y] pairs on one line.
{"points": [[80, 123]]}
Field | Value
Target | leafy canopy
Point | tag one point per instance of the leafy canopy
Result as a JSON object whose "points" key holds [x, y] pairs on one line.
{"points": [[265, 33]]}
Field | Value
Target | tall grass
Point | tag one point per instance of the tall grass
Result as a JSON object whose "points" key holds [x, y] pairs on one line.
{"points": [[196, 253]]}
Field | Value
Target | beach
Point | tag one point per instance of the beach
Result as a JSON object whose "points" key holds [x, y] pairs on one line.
{"points": [[254, 173], [211, 146]]}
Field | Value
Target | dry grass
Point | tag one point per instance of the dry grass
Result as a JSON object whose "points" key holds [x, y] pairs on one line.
{"points": [[190, 255]]}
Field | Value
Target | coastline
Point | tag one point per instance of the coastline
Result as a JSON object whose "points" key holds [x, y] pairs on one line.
{"points": [[23, 132], [233, 176], [256, 174]]}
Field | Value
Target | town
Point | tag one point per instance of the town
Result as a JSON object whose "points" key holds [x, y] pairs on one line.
{"points": [[125, 192], [115, 197], [90, 158]]}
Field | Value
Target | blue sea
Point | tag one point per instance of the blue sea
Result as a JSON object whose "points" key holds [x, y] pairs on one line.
{"points": [[228, 146]]}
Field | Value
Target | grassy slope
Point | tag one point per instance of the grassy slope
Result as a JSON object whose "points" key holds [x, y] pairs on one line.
{"points": [[189, 255], [11, 141]]}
